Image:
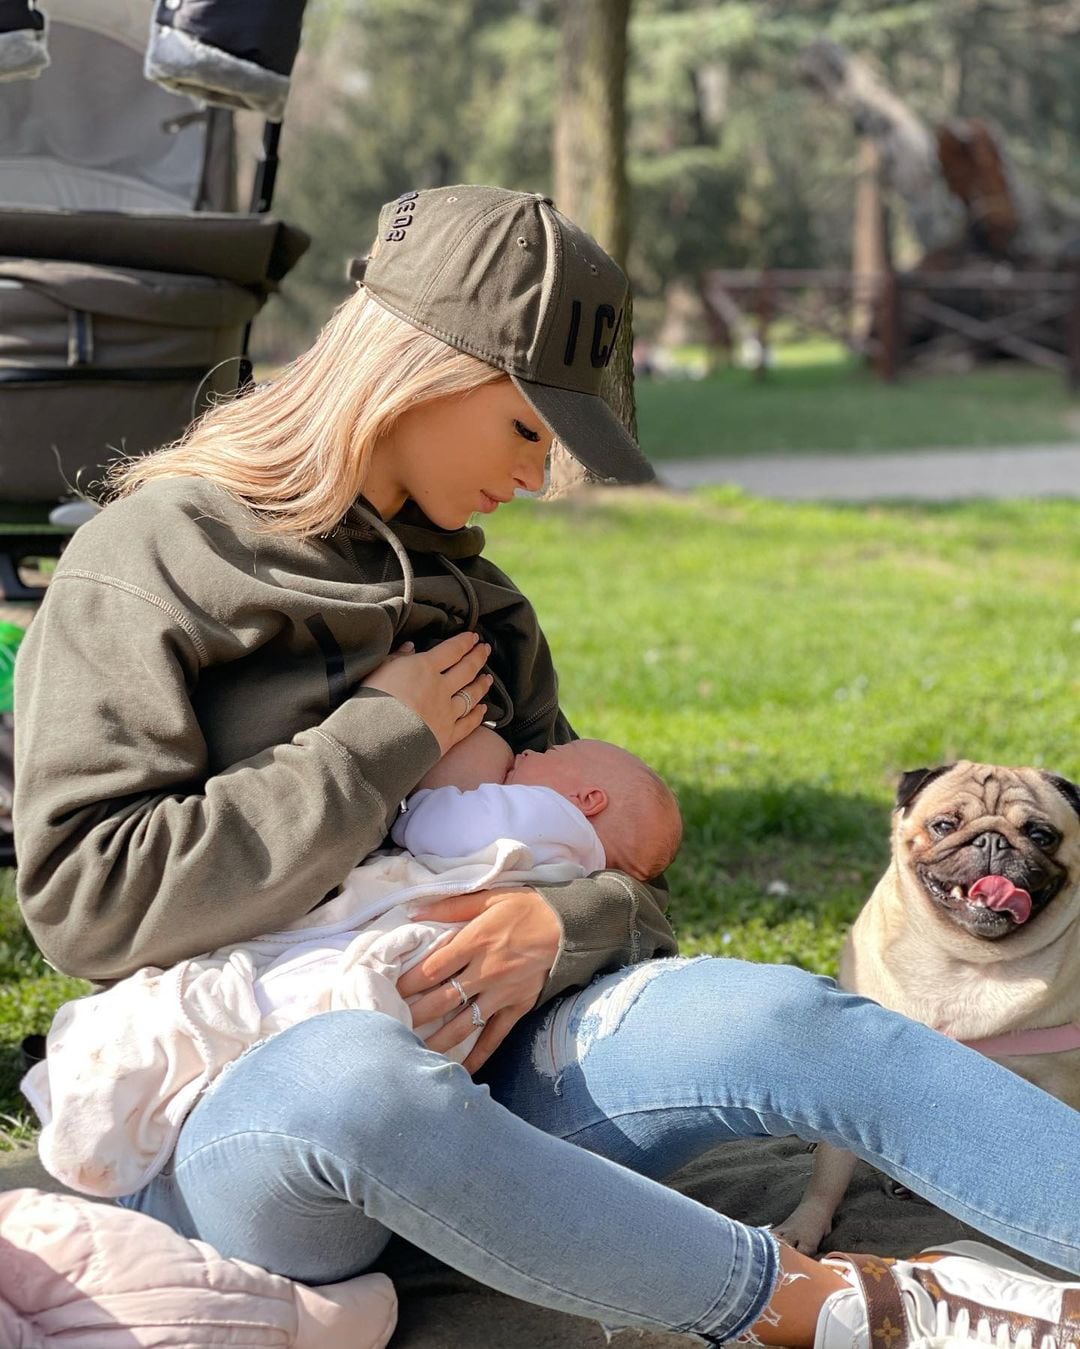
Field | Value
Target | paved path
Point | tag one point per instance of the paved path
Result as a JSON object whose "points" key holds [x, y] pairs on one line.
{"points": [[929, 475]]}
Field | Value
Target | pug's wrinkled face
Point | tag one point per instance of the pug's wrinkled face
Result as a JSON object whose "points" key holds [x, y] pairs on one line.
{"points": [[991, 848]]}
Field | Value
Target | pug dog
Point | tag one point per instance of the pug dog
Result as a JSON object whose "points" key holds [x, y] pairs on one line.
{"points": [[974, 930]]}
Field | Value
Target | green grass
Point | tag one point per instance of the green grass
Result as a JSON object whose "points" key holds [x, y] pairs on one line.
{"points": [[840, 406], [780, 665], [29, 995]]}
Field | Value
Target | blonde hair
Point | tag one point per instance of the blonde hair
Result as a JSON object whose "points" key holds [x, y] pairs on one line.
{"points": [[296, 451]]}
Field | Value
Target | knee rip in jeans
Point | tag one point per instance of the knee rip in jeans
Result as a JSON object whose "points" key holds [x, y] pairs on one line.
{"points": [[575, 1023]]}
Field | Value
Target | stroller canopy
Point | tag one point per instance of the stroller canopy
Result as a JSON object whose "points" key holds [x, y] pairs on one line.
{"points": [[83, 123], [91, 132], [128, 280]]}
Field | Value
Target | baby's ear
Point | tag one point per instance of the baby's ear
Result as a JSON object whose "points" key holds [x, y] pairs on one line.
{"points": [[592, 801]]}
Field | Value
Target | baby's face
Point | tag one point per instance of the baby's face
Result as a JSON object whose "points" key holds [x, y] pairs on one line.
{"points": [[571, 770]]}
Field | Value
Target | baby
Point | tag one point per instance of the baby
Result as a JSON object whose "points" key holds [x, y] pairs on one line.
{"points": [[598, 799], [482, 817]]}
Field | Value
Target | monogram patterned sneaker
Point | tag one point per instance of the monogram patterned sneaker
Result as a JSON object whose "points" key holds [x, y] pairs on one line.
{"points": [[953, 1297]]}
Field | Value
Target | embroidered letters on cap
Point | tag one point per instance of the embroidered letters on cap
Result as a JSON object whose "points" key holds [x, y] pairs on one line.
{"points": [[406, 205], [605, 321]]}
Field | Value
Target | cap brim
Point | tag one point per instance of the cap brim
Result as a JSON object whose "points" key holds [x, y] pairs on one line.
{"points": [[589, 429]]}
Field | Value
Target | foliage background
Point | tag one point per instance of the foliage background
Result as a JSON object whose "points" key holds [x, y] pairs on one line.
{"points": [[732, 162]]}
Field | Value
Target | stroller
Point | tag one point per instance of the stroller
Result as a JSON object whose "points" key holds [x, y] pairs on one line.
{"points": [[129, 279]]}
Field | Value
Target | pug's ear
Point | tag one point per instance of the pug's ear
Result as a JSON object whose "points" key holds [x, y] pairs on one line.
{"points": [[1069, 790], [913, 781]]}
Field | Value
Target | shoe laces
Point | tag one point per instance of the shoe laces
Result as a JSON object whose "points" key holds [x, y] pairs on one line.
{"points": [[959, 1327]]}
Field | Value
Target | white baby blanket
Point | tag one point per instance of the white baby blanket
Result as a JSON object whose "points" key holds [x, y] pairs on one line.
{"points": [[125, 1066]]}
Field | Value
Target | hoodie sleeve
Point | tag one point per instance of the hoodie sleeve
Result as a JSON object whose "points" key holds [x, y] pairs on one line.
{"points": [[608, 920], [130, 852]]}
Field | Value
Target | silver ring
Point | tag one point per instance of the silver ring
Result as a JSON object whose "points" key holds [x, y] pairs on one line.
{"points": [[462, 693], [455, 984], [477, 1020]]}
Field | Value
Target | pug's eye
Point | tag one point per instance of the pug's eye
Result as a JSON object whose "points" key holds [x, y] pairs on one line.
{"points": [[1042, 835], [941, 826]]}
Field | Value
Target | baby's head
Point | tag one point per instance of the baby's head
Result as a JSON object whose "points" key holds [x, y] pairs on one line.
{"points": [[632, 808]]}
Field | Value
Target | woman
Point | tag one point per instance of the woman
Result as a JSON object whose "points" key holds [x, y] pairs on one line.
{"points": [[211, 735]]}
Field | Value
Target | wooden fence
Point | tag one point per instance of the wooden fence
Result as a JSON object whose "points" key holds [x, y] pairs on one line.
{"points": [[1032, 316]]}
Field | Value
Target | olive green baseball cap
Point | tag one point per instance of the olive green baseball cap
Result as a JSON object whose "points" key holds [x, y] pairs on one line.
{"points": [[507, 278]]}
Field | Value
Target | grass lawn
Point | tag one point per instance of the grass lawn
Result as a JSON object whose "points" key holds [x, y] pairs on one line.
{"points": [[29, 994], [780, 665], [841, 406]]}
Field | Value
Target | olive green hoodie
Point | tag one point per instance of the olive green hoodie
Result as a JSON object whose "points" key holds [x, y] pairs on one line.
{"points": [[195, 760]]}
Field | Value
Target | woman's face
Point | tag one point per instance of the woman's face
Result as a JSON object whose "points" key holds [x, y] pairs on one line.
{"points": [[460, 454]]}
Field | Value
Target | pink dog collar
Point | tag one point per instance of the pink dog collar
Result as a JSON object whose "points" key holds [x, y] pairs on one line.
{"points": [[1046, 1040]]}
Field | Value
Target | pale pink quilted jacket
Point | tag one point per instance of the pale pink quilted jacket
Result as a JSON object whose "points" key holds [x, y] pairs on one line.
{"points": [[80, 1274]]}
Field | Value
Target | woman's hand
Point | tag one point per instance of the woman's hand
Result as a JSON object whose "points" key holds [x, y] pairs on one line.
{"points": [[501, 958], [433, 683]]}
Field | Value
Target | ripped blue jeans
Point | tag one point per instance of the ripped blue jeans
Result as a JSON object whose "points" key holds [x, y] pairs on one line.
{"points": [[543, 1180]]}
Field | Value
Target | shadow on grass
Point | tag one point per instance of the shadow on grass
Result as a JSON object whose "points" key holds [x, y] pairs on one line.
{"points": [[782, 813], [787, 859]]}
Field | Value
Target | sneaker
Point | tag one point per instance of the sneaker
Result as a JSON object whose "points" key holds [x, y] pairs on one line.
{"points": [[952, 1297]]}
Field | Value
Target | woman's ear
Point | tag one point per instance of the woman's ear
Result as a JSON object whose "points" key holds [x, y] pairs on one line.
{"points": [[591, 802]]}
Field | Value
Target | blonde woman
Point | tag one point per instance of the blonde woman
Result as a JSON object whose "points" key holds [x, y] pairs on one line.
{"points": [[211, 735]]}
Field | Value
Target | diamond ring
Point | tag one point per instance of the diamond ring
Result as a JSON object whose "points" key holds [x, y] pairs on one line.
{"points": [[477, 1020], [461, 693], [455, 984]]}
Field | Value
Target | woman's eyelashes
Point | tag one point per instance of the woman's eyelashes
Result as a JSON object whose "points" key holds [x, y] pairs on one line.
{"points": [[526, 431]]}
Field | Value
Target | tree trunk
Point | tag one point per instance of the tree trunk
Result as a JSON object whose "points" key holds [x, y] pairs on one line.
{"points": [[868, 244], [590, 170], [590, 120]]}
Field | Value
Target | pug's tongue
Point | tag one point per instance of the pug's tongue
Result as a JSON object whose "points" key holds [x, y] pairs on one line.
{"points": [[998, 892]]}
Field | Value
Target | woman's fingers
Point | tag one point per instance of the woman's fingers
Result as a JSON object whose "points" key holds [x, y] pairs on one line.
{"points": [[466, 699], [428, 684], [494, 1030], [433, 970], [470, 708], [436, 1003], [458, 1028], [446, 654], [476, 688], [465, 671], [453, 909], [500, 957], [431, 974], [492, 1036]]}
